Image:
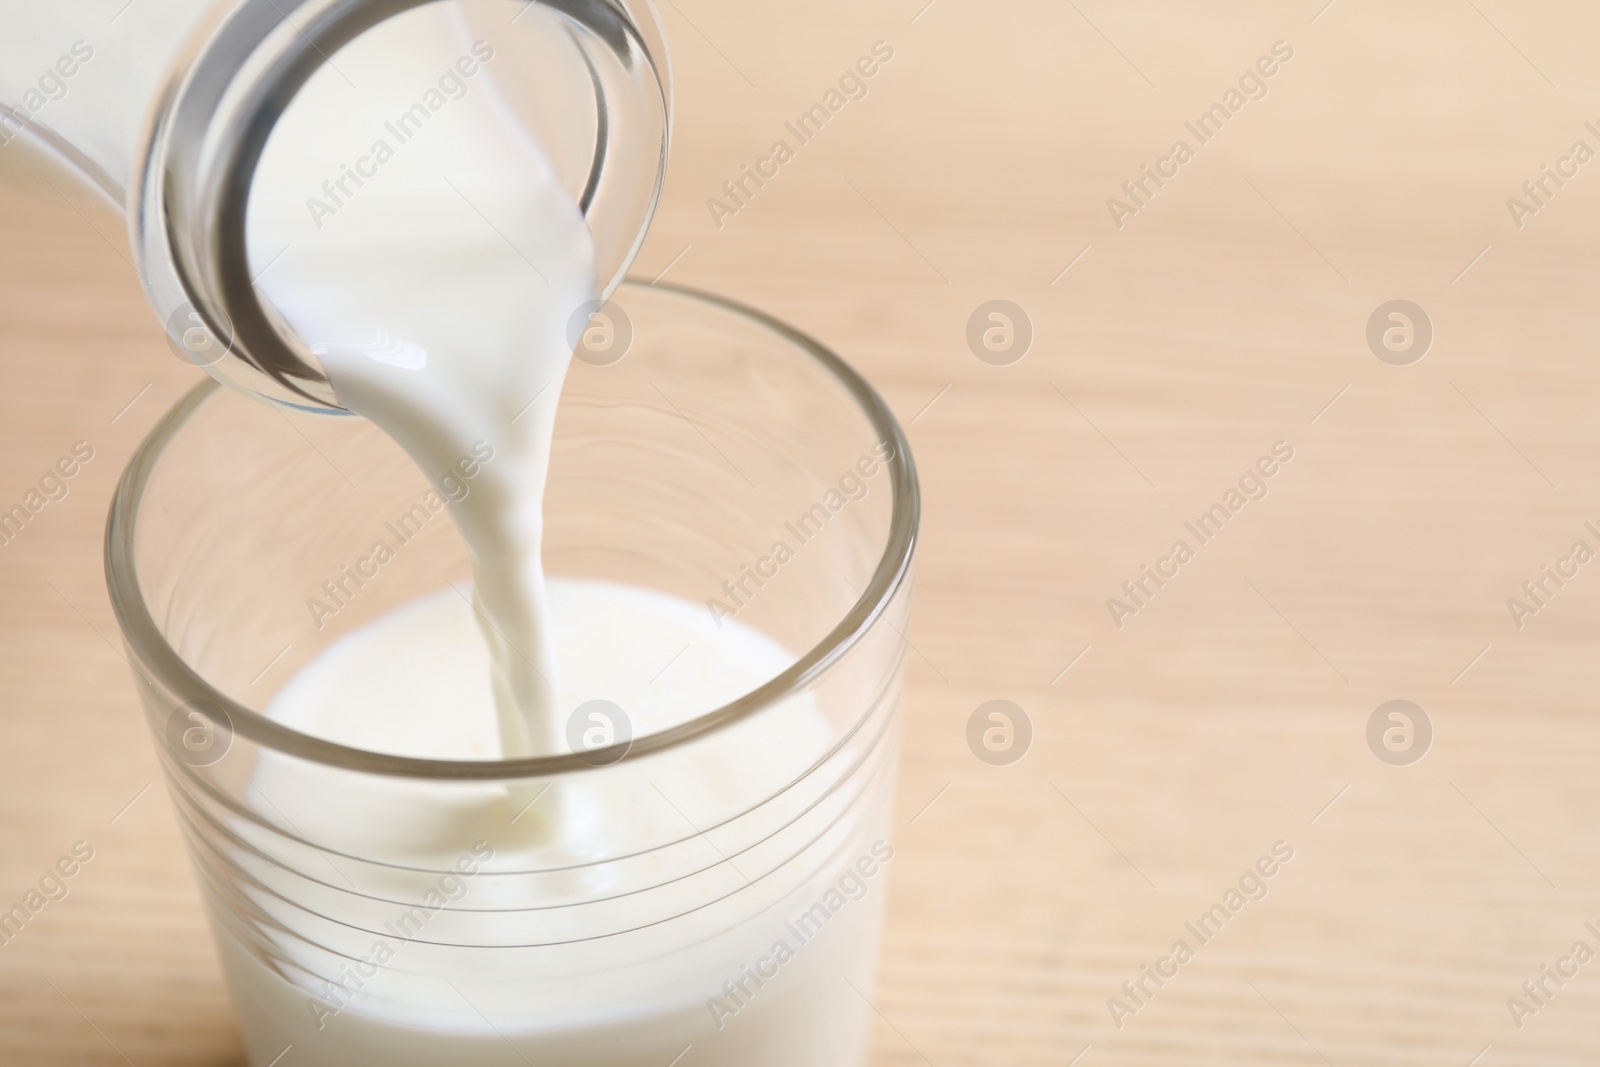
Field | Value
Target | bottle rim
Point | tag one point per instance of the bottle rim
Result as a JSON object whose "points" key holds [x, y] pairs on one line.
{"points": [[205, 135]]}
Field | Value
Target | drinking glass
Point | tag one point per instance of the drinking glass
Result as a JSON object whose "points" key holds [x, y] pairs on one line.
{"points": [[371, 906]]}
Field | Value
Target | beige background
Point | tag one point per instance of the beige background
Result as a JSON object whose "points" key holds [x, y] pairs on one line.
{"points": [[1228, 714]]}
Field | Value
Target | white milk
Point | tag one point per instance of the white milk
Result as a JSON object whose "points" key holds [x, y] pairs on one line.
{"points": [[415, 683]]}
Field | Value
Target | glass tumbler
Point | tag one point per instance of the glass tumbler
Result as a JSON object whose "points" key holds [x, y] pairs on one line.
{"points": [[704, 892]]}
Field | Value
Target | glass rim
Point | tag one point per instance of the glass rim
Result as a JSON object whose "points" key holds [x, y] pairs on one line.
{"points": [[155, 656]]}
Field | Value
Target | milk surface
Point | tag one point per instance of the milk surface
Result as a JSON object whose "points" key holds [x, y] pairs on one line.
{"points": [[414, 683]]}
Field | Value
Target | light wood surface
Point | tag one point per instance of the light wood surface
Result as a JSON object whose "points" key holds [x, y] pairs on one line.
{"points": [[1230, 713]]}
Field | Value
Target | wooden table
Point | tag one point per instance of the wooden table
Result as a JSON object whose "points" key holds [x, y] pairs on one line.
{"points": [[1228, 311]]}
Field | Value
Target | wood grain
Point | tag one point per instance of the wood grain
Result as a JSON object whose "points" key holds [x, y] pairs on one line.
{"points": [[1228, 313]]}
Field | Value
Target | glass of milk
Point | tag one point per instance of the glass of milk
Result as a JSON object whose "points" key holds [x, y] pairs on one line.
{"points": [[699, 877]]}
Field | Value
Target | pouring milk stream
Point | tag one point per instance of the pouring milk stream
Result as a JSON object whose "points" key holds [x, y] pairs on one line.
{"points": [[444, 328], [409, 230]]}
